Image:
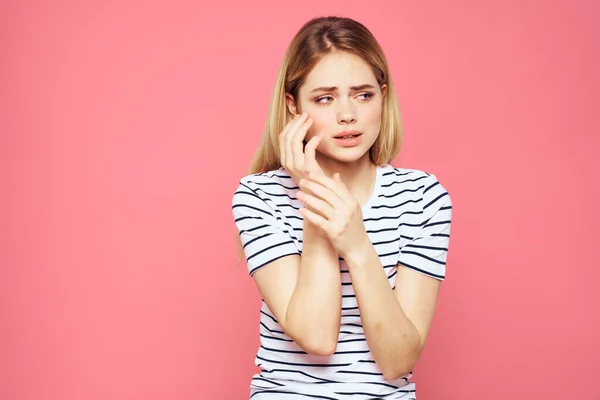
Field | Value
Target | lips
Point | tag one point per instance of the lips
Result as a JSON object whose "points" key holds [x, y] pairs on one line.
{"points": [[347, 134], [348, 139]]}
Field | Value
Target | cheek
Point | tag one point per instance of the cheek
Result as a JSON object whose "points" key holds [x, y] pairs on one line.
{"points": [[319, 122], [372, 116]]}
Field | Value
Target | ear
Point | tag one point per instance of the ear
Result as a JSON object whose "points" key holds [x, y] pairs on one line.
{"points": [[291, 104], [383, 89]]}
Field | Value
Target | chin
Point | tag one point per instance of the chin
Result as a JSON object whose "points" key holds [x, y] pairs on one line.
{"points": [[347, 155]]}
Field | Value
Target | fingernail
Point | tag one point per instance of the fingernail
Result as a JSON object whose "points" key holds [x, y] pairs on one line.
{"points": [[302, 182]]}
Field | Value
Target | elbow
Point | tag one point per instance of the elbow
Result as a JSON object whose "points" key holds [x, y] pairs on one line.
{"points": [[399, 371], [318, 342], [395, 370], [323, 348], [314, 341], [318, 347]]}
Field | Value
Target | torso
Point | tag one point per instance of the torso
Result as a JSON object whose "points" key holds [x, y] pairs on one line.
{"points": [[393, 216]]}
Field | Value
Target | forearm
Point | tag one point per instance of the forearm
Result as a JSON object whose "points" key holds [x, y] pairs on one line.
{"points": [[313, 315], [393, 339]]}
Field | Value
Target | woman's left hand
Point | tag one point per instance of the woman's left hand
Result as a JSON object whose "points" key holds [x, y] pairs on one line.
{"points": [[332, 208]]}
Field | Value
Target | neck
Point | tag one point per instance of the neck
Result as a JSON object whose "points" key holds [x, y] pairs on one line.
{"points": [[359, 176]]}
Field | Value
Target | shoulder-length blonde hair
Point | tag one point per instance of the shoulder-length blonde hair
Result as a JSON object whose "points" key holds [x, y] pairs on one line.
{"points": [[316, 39]]}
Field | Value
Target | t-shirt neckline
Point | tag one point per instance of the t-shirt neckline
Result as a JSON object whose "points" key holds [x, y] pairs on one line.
{"points": [[376, 189]]}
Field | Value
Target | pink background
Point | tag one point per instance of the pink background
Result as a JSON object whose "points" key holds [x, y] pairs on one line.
{"points": [[125, 126]]}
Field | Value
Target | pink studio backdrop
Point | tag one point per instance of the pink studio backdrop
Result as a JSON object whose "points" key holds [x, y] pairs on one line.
{"points": [[124, 127]]}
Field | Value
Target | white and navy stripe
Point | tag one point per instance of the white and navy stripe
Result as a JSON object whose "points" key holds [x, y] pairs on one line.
{"points": [[408, 220]]}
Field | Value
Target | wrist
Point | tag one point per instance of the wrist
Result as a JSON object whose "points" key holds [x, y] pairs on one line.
{"points": [[316, 240], [312, 230], [359, 252]]}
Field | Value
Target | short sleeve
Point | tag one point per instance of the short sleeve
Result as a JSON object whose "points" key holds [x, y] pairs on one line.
{"points": [[263, 235], [428, 250]]}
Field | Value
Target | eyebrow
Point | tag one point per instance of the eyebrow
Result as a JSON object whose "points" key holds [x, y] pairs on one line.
{"points": [[334, 88]]}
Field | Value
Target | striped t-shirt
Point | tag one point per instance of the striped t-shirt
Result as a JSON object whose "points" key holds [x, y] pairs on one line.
{"points": [[407, 219]]}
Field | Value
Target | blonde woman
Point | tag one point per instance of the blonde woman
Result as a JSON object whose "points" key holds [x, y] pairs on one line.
{"points": [[347, 251]]}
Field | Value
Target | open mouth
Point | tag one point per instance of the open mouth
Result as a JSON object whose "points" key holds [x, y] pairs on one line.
{"points": [[348, 139], [348, 136]]}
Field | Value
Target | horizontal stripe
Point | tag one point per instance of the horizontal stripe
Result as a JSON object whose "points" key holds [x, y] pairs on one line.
{"points": [[435, 200], [280, 392], [417, 246], [271, 194], [269, 248], [293, 371], [436, 223], [268, 381], [276, 338], [269, 316], [389, 196], [423, 271], [374, 394], [253, 270], [276, 184], [425, 257], [304, 364], [283, 351], [252, 208], [271, 330]]}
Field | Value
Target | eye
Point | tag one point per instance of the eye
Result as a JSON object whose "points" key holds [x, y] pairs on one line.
{"points": [[366, 96], [323, 99]]}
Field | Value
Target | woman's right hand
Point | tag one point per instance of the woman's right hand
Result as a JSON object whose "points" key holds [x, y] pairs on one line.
{"points": [[299, 163]]}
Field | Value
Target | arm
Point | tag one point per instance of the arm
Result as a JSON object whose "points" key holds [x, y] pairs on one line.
{"points": [[395, 322], [304, 293]]}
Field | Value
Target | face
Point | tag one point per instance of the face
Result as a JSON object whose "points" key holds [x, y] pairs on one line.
{"points": [[342, 96]]}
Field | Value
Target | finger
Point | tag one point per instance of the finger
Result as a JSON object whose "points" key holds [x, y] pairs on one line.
{"points": [[282, 138], [324, 193], [335, 185], [316, 219], [297, 147], [317, 205], [311, 146], [289, 139]]}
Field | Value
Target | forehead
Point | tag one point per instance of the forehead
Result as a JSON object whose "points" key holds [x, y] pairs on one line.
{"points": [[342, 70]]}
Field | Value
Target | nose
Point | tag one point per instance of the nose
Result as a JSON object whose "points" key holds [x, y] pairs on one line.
{"points": [[346, 114]]}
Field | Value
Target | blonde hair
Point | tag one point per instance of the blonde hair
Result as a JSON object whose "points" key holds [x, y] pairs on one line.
{"points": [[316, 39]]}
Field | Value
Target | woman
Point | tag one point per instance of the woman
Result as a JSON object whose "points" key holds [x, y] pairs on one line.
{"points": [[347, 251]]}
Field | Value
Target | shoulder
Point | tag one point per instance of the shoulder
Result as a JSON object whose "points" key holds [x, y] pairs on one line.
{"points": [[274, 187], [424, 184], [400, 174], [277, 179]]}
